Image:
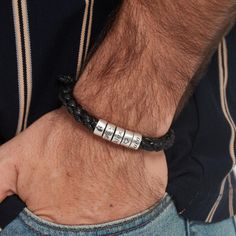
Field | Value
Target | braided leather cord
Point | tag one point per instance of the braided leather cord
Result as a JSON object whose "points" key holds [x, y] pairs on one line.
{"points": [[90, 122], [75, 109]]}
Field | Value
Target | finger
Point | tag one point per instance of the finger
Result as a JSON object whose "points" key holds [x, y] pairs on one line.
{"points": [[8, 178]]}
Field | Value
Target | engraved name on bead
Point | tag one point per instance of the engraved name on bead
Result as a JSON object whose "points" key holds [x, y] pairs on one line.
{"points": [[136, 141], [127, 139], [118, 136], [100, 127], [109, 131]]}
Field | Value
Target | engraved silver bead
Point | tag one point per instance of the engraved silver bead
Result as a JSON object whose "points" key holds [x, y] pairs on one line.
{"points": [[109, 131], [137, 139], [100, 127], [118, 136], [127, 139]]}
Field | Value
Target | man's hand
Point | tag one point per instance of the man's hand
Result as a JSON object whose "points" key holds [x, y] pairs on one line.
{"points": [[66, 175], [135, 80]]}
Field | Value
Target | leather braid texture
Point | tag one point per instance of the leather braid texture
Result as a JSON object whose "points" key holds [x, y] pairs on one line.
{"points": [[82, 116]]}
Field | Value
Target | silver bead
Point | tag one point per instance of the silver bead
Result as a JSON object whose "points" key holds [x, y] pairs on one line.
{"points": [[137, 139], [118, 136], [109, 132], [100, 127], [127, 139]]}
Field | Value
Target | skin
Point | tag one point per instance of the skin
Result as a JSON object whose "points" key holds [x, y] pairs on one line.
{"points": [[68, 176], [91, 192]]}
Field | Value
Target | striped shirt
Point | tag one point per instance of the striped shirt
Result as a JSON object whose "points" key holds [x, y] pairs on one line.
{"points": [[40, 40]]}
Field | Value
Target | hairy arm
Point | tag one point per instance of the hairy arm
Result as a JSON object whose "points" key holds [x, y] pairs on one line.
{"points": [[135, 79], [139, 73]]}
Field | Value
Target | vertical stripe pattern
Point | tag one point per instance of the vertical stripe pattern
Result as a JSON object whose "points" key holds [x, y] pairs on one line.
{"points": [[231, 197], [24, 64], [223, 80], [89, 26], [20, 71], [85, 34], [82, 38], [28, 63]]}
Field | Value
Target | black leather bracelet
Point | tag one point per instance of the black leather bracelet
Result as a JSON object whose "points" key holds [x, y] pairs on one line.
{"points": [[107, 130]]}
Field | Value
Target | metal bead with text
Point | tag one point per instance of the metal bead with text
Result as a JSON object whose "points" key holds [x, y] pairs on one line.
{"points": [[118, 136], [137, 139], [100, 128], [127, 139], [109, 131]]}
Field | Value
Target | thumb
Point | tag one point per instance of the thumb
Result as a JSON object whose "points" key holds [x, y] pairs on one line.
{"points": [[8, 177]]}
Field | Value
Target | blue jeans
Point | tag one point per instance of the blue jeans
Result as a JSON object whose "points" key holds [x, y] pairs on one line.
{"points": [[162, 219]]}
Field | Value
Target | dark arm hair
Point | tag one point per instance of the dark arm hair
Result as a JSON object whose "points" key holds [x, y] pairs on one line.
{"points": [[148, 59]]}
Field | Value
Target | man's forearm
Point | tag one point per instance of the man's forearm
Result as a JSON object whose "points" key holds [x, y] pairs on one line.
{"points": [[139, 73], [135, 79]]}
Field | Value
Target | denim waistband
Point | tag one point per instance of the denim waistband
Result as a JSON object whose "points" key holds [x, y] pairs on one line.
{"points": [[118, 227]]}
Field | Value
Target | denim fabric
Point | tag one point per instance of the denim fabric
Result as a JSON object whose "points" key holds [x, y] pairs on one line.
{"points": [[162, 219]]}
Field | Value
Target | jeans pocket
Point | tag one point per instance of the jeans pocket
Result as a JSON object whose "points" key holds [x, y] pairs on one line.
{"points": [[34, 225]]}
